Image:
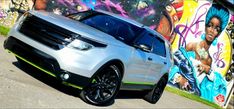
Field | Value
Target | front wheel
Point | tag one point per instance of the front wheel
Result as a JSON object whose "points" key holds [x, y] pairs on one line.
{"points": [[154, 95], [103, 87]]}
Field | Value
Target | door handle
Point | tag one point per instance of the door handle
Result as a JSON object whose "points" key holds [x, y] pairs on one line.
{"points": [[150, 59]]}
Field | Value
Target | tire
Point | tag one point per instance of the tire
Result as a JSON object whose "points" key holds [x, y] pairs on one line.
{"points": [[103, 87], [154, 95]]}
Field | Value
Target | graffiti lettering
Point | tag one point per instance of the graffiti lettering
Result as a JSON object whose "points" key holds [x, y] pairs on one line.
{"points": [[184, 30], [216, 56]]}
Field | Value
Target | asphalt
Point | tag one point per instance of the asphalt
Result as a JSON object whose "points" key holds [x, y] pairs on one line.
{"points": [[26, 87]]}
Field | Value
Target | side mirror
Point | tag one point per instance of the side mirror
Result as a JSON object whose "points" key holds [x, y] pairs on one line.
{"points": [[143, 47]]}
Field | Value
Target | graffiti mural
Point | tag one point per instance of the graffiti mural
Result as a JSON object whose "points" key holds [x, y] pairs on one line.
{"points": [[9, 11], [202, 52], [8, 18]]}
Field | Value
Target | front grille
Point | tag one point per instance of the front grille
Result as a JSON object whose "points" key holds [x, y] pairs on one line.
{"points": [[33, 55], [45, 32]]}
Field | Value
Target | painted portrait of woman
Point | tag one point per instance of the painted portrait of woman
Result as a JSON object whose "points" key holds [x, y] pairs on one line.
{"points": [[193, 63]]}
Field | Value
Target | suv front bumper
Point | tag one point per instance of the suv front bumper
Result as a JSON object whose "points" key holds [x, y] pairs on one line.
{"points": [[44, 62]]}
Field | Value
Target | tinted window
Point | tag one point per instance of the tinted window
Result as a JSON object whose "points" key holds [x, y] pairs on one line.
{"points": [[146, 39], [159, 47], [117, 28]]}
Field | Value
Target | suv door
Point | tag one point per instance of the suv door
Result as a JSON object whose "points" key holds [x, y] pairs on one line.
{"points": [[158, 60], [139, 64]]}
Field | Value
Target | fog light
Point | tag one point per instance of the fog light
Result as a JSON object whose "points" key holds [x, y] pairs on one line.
{"points": [[65, 76]]}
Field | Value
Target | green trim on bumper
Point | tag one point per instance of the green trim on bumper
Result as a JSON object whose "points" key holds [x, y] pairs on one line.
{"points": [[48, 72], [72, 85], [38, 67]]}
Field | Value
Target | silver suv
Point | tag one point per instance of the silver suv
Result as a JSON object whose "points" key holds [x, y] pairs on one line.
{"points": [[95, 51]]}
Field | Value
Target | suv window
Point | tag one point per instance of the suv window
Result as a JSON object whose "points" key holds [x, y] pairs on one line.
{"points": [[159, 47], [115, 27], [146, 39]]}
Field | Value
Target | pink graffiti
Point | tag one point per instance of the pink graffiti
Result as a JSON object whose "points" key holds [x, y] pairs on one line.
{"points": [[109, 5], [216, 56], [1, 14], [66, 2], [232, 18], [184, 30]]}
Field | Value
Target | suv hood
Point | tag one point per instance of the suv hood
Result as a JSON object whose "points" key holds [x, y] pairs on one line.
{"points": [[76, 27]]}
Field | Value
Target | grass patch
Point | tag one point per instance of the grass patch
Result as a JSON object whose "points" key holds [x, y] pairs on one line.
{"points": [[192, 97], [4, 30]]}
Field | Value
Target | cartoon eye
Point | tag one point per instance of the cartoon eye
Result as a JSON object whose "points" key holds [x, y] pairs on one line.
{"points": [[209, 25], [217, 29]]}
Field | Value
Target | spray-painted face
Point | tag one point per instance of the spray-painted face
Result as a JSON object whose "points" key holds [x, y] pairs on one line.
{"points": [[213, 29]]}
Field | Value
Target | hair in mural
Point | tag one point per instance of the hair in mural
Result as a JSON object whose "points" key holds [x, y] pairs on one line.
{"points": [[221, 13]]}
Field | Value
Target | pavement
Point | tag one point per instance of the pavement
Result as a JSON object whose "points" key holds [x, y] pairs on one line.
{"points": [[27, 87]]}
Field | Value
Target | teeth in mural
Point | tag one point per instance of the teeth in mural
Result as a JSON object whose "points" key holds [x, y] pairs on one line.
{"points": [[210, 36]]}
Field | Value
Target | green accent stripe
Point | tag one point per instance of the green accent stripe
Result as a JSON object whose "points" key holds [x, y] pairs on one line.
{"points": [[48, 72], [138, 83], [38, 67], [72, 85]]}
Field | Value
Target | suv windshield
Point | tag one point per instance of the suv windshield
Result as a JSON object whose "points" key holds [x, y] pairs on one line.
{"points": [[115, 27]]}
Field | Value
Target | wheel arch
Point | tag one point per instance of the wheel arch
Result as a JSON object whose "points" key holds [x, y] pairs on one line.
{"points": [[119, 64], [166, 75]]}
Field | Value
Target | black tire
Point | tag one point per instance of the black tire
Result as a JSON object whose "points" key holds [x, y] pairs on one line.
{"points": [[103, 87], [154, 95]]}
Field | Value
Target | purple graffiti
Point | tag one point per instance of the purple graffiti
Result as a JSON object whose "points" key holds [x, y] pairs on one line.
{"points": [[1, 14], [216, 56], [184, 30], [109, 5], [72, 5]]}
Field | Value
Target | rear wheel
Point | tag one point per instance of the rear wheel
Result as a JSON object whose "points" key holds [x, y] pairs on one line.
{"points": [[154, 95], [103, 87]]}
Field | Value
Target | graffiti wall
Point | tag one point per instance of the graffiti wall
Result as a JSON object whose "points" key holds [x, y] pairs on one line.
{"points": [[203, 51], [201, 33], [9, 10]]}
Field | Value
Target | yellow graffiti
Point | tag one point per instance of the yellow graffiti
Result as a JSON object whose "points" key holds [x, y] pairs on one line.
{"points": [[189, 7], [226, 54], [9, 20]]}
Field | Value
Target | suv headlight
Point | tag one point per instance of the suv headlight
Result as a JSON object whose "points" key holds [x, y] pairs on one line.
{"points": [[80, 45]]}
